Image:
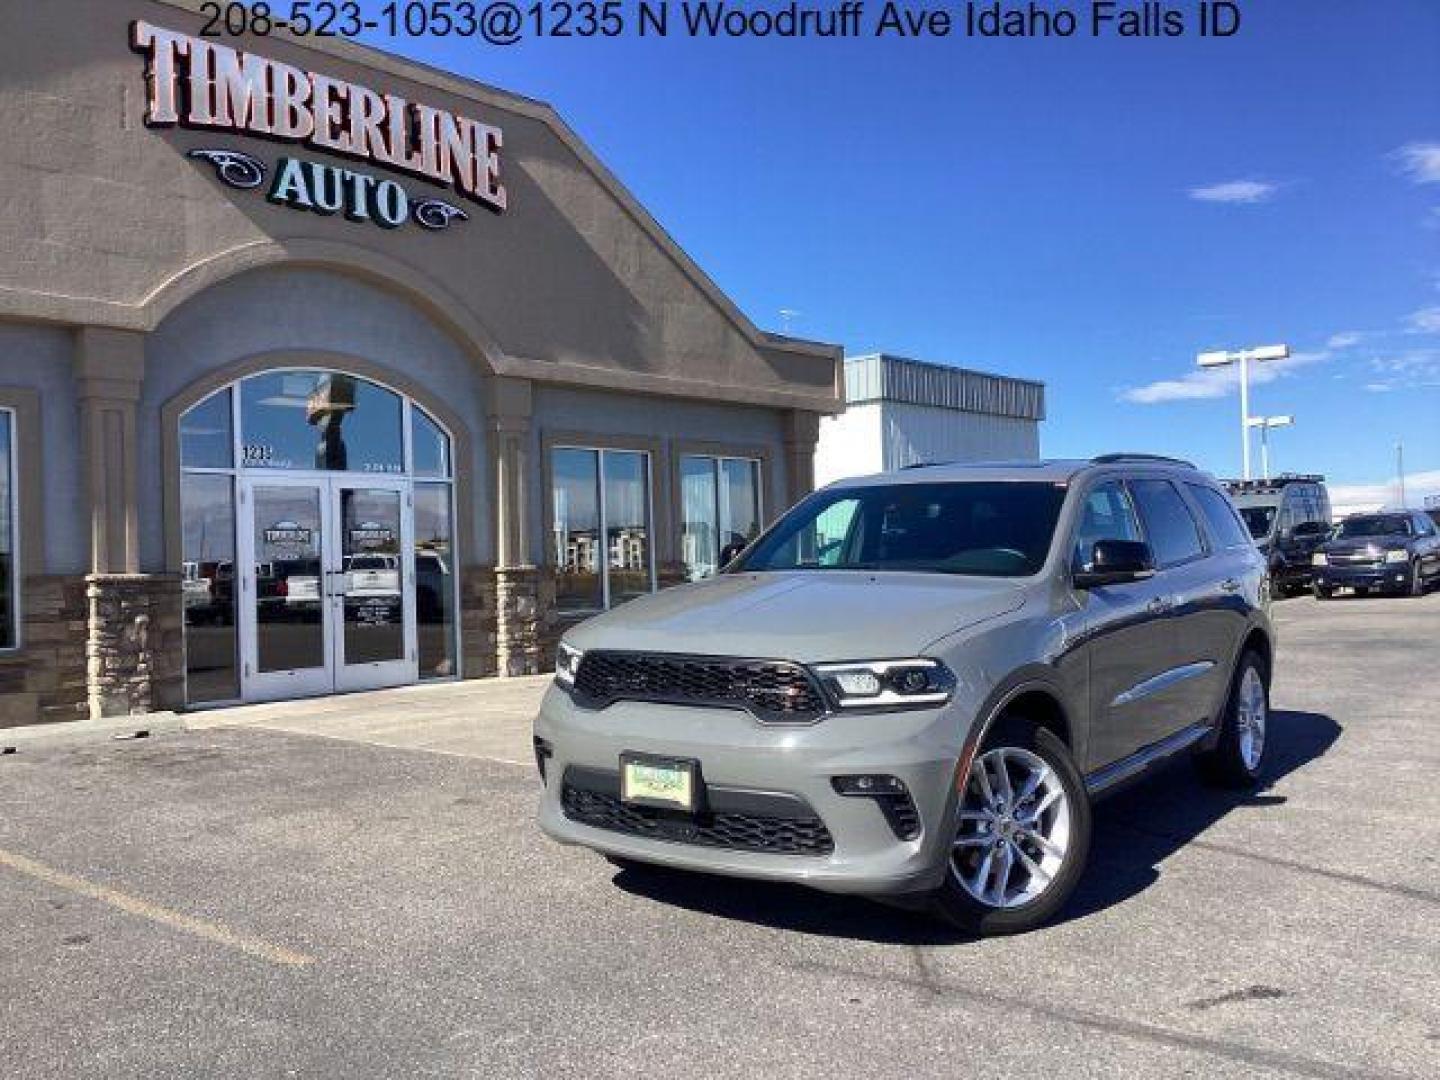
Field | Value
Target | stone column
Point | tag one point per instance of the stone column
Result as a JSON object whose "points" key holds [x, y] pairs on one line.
{"points": [[801, 431], [133, 644], [522, 612]]}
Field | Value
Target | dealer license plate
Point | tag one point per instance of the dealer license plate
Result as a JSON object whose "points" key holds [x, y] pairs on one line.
{"points": [[663, 782]]}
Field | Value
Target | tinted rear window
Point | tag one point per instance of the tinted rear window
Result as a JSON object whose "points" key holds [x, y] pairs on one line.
{"points": [[1170, 529], [1219, 516]]}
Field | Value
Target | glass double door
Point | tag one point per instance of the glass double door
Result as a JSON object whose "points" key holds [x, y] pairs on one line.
{"points": [[327, 586]]}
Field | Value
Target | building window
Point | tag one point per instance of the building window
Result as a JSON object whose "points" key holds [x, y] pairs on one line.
{"points": [[720, 511], [601, 544], [321, 420], [9, 536]]}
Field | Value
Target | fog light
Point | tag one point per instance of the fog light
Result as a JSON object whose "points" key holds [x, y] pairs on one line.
{"points": [[868, 784], [890, 794]]}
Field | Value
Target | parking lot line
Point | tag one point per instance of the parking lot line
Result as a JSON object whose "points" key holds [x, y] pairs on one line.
{"points": [[134, 905]]}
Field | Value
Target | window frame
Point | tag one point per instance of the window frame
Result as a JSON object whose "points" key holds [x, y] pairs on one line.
{"points": [[1200, 532], [1189, 489], [176, 468], [17, 531], [600, 451], [1114, 480], [716, 461]]}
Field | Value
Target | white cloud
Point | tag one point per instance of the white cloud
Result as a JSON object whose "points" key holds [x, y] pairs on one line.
{"points": [[1379, 387], [1371, 496], [1206, 383], [1246, 192], [1347, 340], [1420, 162], [1425, 321], [1418, 369]]}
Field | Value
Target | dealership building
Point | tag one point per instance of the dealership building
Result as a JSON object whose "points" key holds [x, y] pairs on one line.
{"points": [[322, 370]]}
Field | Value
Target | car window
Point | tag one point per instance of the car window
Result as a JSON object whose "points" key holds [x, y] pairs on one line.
{"points": [[1258, 520], [1173, 535], [1108, 515], [983, 528], [1374, 525], [1225, 528], [1424, 526]]}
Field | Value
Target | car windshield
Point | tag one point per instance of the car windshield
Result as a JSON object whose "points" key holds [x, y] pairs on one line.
{"points": [[1374, 525], [991, 529], [1258, 520]]}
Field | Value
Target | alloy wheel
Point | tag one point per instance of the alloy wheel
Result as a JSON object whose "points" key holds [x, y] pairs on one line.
{"points": [[1014, 828], [1250, 719]]}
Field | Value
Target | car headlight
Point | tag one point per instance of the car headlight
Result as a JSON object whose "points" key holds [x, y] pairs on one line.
{"points": [[567, 664], [887, 684], [1398, 555], [1319, 559]]}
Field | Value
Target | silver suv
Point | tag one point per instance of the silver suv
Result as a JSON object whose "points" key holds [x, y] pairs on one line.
{"points": [[914, 685]]}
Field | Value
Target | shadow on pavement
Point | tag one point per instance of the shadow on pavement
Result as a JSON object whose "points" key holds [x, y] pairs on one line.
{"points": [[1139, 828], [1135, 831]]}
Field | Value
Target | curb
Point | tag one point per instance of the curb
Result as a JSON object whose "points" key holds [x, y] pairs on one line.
{"points": [[88, 732]]}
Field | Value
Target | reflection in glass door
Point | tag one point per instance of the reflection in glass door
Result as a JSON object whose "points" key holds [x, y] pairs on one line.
{"points": [[286, 633], [372, 585], [328, 586]]}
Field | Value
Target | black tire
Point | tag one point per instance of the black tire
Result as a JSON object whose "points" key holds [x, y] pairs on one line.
{"points": [[1226, 765], [1417, 579], [1322, 592], [953, 903], [1279, 590]]}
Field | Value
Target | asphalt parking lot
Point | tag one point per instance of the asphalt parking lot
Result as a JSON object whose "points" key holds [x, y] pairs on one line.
{"points": [[247, 901]]}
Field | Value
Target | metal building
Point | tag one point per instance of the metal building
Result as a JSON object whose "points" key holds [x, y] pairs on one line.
{"points": [[901, 412]]}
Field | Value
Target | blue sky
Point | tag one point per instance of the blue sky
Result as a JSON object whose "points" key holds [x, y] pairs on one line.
{"points": [[1087, 212]]}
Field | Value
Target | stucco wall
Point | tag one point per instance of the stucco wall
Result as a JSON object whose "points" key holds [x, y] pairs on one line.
{"points": [[295, 313], [105, 221], [40, 358]]}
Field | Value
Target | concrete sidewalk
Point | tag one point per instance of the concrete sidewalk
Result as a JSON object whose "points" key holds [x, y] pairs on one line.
{"points": [[483, 718]]}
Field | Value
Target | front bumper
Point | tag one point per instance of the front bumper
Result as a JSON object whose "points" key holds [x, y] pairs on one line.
{"points": [[748, 763], [1386, 576]]}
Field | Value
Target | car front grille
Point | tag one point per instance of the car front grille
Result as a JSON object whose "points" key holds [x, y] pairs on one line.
{"points": [[736, 831], [775, 691]]}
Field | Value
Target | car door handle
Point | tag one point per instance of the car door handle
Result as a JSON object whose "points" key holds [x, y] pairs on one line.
{"points": [[1230, 585], [1159, 605]]}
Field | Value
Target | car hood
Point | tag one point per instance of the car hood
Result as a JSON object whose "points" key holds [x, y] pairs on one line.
{"points": [[808, 616]]}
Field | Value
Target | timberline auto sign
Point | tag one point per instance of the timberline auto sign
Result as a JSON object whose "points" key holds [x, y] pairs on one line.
{"points": [[200, 84]]}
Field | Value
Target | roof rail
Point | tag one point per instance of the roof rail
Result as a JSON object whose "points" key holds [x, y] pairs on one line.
{"points": [[922, 465], [1274, 483], [1113, 459]]}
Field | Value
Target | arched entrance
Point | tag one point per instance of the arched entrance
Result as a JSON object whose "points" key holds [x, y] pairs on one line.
{"points": [[318, 538]]}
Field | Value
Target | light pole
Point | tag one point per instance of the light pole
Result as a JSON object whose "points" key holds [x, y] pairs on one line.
{"points": [[1265, 423], [1243, 357]]}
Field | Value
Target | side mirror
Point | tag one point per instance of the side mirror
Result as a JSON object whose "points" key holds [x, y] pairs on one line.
{"points": [[1116, 562], [730, 552]]}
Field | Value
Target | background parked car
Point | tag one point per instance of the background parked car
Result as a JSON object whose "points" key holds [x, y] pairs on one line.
{"points": [[1396, 551], [1289, 517]]}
